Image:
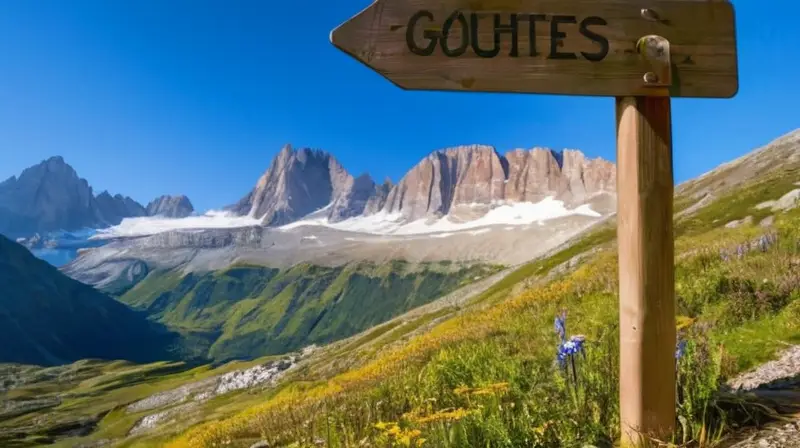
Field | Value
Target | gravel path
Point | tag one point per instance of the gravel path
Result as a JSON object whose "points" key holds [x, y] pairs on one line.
{"points": [[781, 374]]}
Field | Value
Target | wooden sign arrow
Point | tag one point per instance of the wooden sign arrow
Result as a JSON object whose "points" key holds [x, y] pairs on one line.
{"points": [[569, 47]]}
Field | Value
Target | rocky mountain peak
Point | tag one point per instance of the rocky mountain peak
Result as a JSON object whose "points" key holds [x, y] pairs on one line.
{"points": [[56, 164], [111, 210], [47, 196], [351, 196], [297, 183], [170, 206], [53, 168], [50, 196]]}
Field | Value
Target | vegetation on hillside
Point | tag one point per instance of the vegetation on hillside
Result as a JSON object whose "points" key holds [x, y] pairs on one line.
{"points": [[488, 370], [490, 377], [249, 311], [43, 405]]}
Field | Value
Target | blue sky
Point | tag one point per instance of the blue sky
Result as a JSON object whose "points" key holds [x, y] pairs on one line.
{"points": [[176, 96]]}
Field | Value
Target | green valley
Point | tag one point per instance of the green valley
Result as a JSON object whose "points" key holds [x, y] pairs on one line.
{"points": [[248, 311]]}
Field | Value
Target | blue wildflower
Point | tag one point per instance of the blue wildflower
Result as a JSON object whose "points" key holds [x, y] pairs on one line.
{"points": [[573, 346], [680, 348], [560, 325], [568, 349]]}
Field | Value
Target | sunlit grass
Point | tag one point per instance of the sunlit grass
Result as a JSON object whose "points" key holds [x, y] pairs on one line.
{"points": [[487, 377]]}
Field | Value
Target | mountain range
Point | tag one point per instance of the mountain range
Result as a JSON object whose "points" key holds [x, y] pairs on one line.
{"points": [[50, 196], [316, 243], [451, 182], [350, 278], [319, 243]]}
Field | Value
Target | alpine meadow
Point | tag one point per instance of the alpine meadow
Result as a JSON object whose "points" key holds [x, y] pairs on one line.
{"points": [[436, 260]]}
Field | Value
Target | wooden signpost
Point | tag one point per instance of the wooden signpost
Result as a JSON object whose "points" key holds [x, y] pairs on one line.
{"points": [[643, 52]]}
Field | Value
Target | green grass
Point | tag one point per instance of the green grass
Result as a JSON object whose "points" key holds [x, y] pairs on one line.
{"points": [[738, 204], [99, 390], [503, 288], [741, 312]]}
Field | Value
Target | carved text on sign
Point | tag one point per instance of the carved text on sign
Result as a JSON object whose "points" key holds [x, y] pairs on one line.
{"points": [[456, 44]]}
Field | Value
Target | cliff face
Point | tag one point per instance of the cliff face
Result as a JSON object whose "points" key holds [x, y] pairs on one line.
{"points": [[352, 200], [377, 199], [462, 175], [473, 175]]}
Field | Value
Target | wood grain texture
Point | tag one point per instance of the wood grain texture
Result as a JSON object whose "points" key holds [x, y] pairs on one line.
{"points": [[701, 34], [646, 268]]}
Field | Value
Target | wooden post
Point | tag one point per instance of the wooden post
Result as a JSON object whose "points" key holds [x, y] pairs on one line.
{"points": [[646, 269]]}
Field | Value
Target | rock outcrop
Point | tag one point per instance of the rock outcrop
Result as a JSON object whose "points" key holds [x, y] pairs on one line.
{"points": [[170, 207], [378, 197]]}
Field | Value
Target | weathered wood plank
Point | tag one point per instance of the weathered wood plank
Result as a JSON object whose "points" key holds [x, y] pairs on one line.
{"points": [[579, 47]]}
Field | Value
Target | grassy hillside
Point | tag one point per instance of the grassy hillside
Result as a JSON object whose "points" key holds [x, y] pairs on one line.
{"points": [[487, 376], [249, 311], [484, 373], [47, 318], [41, 406], [480, 369]]}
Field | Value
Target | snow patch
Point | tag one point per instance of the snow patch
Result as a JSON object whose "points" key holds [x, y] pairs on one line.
{"points": [[478, 232], [151, 225], [442, 235], [503, 213]]}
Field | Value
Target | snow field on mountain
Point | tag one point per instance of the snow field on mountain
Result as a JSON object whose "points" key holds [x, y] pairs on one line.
{"points": [[143, 226], [382, 223], [519, 213]]}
